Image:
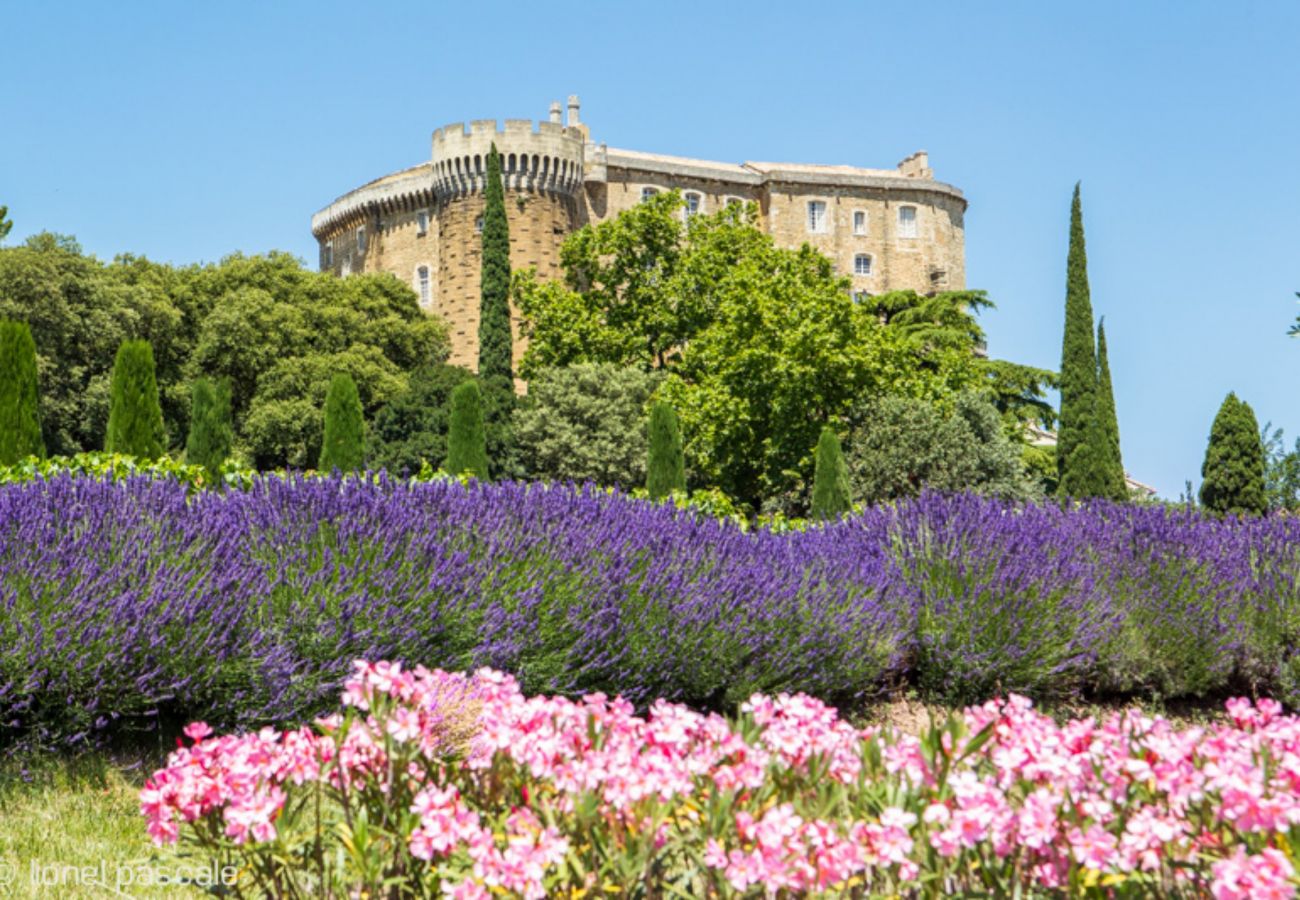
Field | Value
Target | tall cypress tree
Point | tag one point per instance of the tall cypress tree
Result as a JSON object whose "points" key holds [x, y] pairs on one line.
{"points": [[1106, 414], [211, 433], [466, 434], [830, 498], [1081, 462], [1233, 472], [20, 424], [135, 423], [665, 468], [494, 344], [343, 446]]}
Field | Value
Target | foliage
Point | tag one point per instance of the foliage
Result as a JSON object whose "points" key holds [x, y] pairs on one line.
{"points": [[1281, 470], [411, 429], [1107, 416], [6, 224], [763, 345], [830, 496], [1081, 455], [1232, 476], [466, 439], [586, 422], [495, 351], [20, 426], [100, 466], [507, 794], [899, 447], [665, 467], [343, 447], [135, 423], [211, 433]]}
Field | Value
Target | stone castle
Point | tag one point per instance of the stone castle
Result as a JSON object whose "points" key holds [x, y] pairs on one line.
{"points": [[888, 229]]}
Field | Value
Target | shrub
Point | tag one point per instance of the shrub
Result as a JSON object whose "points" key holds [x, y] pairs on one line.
{"points": [[211, 432], [135, 424], [20, 426], [586, 422], [412, 429], [830, 498], [343, 446], [466, 440], [1233, 471], [665, 467]]}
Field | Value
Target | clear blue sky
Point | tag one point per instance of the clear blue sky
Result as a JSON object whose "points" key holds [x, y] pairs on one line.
{"points": [[186, 131]]}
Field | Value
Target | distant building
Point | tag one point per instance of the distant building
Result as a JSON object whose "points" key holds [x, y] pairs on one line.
{"points": [[1041, 437], [887, 229]]}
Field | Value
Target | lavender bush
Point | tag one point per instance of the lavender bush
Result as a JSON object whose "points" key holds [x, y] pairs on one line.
{"points": [[126, 605]]}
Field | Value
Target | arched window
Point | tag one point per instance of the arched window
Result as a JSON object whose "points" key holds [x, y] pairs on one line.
{"points": [[862, 264], [694, 203], [907, 221], [327, 256], [648, 192], [361, 239], [478, 224], [422, 222], [422, 284]]}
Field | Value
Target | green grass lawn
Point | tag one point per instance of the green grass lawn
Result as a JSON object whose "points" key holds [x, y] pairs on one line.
{"points": [[72, 828]]}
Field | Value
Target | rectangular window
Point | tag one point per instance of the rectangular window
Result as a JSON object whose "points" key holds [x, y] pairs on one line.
{"points": [[423, 277], [816, 216], [907, 221], [361, 239], [862, 264], [692, 204], [860, 222], [422, 222], [647, 193], [327, 257], [346, 268]]}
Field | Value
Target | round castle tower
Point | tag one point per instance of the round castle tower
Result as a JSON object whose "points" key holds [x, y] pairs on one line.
{"points": [[542, 173]]}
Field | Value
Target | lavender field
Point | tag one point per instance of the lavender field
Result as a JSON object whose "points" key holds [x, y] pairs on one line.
{"points": [[135, 605]]}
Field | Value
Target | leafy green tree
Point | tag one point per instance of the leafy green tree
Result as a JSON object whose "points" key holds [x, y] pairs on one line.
{"points": [[1117, 486], [343, 446], [900, 446], [665, 465], [586, 422], [20, 425], [211, 432], [830, 497], [135, 422], [411, 429], [1232, 476], [1080, 459], [1281, 469], [467, 438], [6, 224], [494, 343]]}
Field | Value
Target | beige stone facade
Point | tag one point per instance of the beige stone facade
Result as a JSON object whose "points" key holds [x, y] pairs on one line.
{"points": [[888, 229]]}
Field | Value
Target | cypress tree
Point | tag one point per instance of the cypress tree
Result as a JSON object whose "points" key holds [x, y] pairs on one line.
{"points": [[1106, 415], [466, 434], [211, 433], [343, 446], [1233, 472], [135, 423], [1081, 462], [830, 498], [665, 468], [494, 343], [20, 424]]}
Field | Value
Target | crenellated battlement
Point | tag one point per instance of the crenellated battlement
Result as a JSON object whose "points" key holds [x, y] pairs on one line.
{"points": [[535, 156]]}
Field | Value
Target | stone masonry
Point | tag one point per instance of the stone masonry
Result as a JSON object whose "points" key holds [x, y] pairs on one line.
{"points": [[888, 229]]}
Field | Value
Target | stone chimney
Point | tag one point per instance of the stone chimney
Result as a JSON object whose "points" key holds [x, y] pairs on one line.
{"points": [[555, 112], [574, 121]]}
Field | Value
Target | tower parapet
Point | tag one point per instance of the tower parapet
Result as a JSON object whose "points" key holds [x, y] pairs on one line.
{"points": [[546, 159]]}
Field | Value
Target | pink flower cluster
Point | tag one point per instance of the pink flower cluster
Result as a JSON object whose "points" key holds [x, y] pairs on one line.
{"points": [[492, 792]]}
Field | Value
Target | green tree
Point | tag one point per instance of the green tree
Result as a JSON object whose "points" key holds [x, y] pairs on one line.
{"points": [[494, 343], [135, 422], [665, 465], [1117, 485], [899, 446], [586, 422], [1233, 474], [20, 424], [343, 444], [466, 437], [6, 224], [1281, 469], [1080, 458], [211, 434], [411, 429], [830, 497]]}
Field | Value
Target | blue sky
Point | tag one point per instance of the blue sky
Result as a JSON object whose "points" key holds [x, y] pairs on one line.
{"points": [[186, 131]]}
